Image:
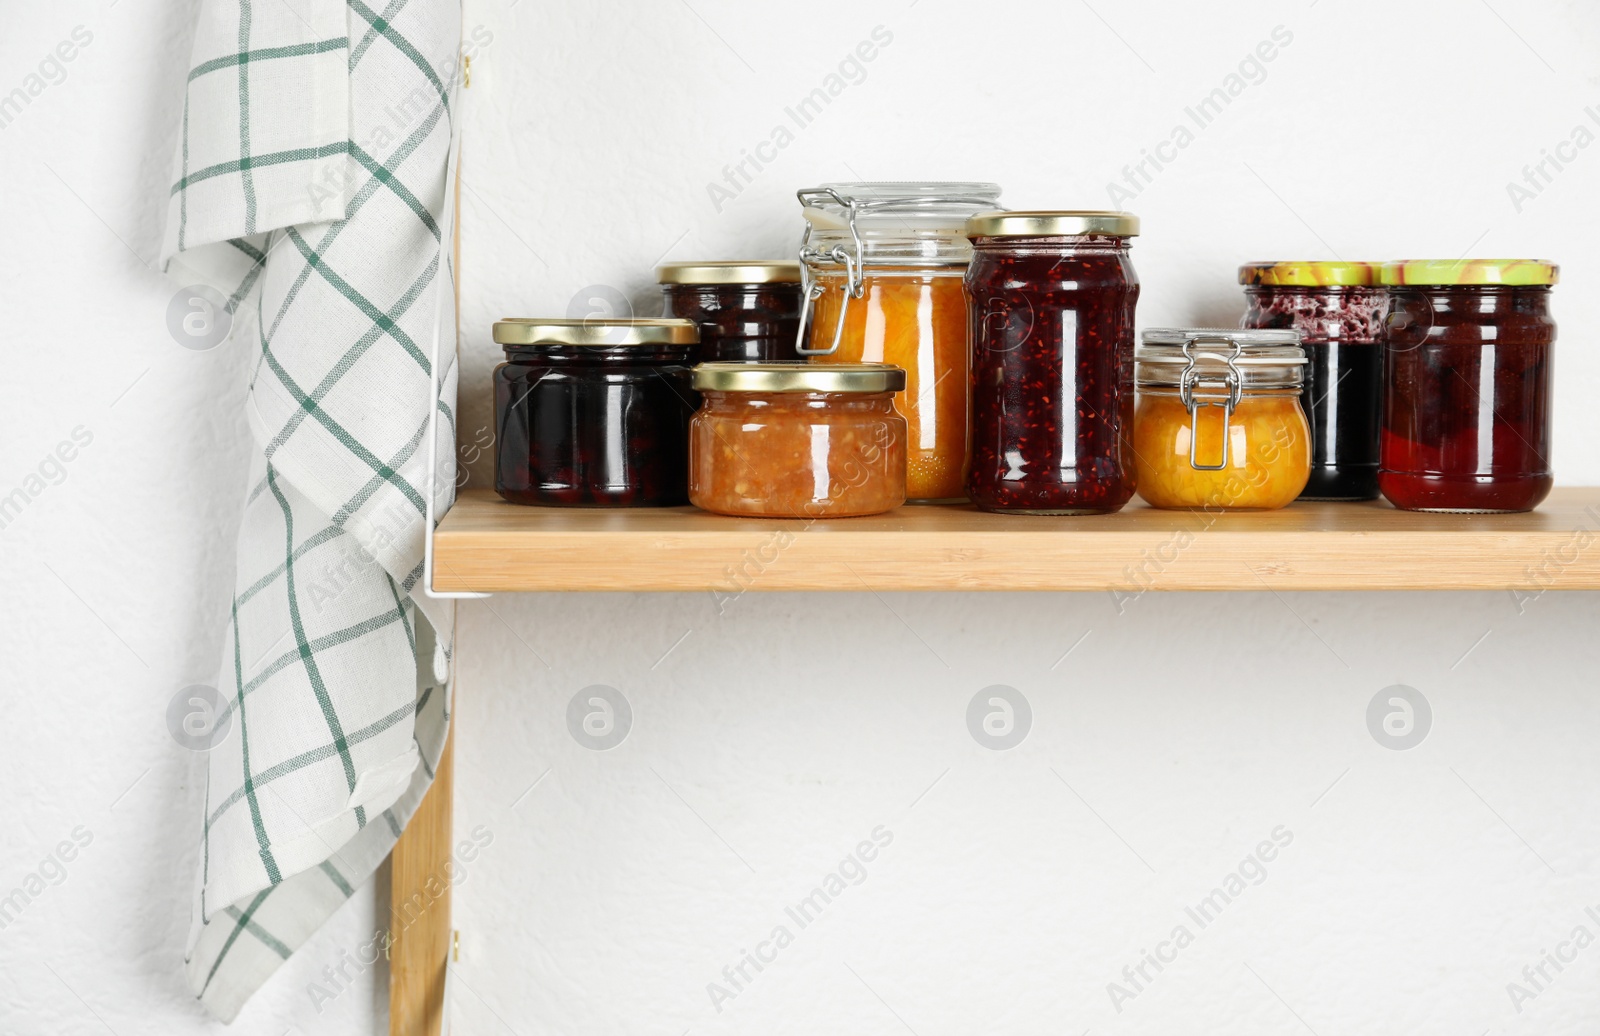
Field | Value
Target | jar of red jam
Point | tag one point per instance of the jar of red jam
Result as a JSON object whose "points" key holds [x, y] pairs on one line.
{"points": [[748, 311], [1338, 308], [593, 413], [1466, 417], [1051, 296]]}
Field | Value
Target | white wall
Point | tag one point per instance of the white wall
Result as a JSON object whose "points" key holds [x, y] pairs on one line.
{"points": [[777, 735]]}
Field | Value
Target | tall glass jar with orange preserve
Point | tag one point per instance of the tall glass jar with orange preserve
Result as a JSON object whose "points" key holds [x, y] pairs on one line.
{"points": [[882, 266]]}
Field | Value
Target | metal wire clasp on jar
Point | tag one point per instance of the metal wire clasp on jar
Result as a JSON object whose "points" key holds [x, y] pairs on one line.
{"points": [[881, 267], [1219, 423]]}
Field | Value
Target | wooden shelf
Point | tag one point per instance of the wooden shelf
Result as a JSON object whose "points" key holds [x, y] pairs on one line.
{"points": [[487, 545]]}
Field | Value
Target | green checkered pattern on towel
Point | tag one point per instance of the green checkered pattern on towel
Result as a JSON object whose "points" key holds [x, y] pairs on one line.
{"points": [[310, 191]]}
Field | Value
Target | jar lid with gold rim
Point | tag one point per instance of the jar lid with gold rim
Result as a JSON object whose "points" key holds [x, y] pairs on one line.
{"points": [[799, 377], [1316, 273], [595, 331], [730, 271], [1517, 273], [1053, 223]]}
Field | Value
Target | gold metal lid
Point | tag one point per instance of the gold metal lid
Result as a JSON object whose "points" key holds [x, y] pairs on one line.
{"points": [[1312, 274], [730, 271], [1053, 223], [597, 331], [1510, 272], [799, 377]]}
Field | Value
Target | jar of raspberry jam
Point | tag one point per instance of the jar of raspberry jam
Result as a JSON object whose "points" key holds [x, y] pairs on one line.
{"points": [[748, 311], [1467, 360], [593, 413], [1338, 308], [1051, 296], [883, 264]]}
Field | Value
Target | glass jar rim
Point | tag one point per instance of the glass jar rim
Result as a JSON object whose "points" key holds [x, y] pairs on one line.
{"points": [[1052, 223], [730, 271]]}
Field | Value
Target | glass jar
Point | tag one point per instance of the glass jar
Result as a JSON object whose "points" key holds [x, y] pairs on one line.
{"points": [[1466, 418], [883, 264], [797, 441], [1338, 308], [747, 311], [1219, 424], [593, 413], [1052, 296]]}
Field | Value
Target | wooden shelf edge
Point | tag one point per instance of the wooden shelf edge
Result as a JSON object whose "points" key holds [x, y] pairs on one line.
{"points": [[487, 545]]}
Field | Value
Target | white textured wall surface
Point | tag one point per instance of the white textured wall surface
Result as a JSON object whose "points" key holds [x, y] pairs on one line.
{"points": [[771, 737]]}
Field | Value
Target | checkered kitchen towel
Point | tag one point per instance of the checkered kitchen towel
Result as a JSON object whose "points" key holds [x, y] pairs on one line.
{"points": [[310, 195]]}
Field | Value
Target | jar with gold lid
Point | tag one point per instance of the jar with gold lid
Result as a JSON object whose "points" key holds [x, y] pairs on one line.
{"points": [[1219, 423], [797, 440], [748, 310], [593, 412]]}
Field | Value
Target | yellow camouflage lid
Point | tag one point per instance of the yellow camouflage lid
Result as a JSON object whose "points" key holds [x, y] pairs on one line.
{"points": [[1513, 272], [1315, 273]]}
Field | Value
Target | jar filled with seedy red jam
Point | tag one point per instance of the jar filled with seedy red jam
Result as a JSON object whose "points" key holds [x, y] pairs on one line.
{"points": [[1338, 308], [748, 311], [1051, 296], [1467, 367], [594, 413]]}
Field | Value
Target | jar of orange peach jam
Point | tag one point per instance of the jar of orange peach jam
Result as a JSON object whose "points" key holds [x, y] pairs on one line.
{"points": [[777, 440], [882, 266], [1219, 423]]}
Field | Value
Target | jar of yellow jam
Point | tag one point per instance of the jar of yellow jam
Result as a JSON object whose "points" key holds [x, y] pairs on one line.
{"points": [[882, 267], [776, 440], [1219, 424]]}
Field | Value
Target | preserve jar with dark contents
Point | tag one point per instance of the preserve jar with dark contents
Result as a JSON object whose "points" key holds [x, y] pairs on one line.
{"points": [[748, 311], [1338, 308], [1051, 297], [1467, 367], [593, 413]]}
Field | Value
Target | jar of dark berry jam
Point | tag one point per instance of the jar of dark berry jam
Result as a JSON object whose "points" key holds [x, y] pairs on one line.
{"points": [[1051, 296], [594, 413], [1338, 308], [748, 311], [1466, 417]]}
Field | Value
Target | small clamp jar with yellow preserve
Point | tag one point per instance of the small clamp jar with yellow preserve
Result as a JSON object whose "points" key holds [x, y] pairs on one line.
{"points": [[1219, 424], [882, 265], [777, 440]]}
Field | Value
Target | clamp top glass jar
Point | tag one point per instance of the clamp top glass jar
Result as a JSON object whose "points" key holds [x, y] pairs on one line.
{"points": [[882, 265], [593, 412], [1219, 424], [748, 310]]}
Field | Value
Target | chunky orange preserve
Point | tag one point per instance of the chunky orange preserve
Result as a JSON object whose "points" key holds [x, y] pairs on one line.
{"points": [[1269, 453], [797, 454], [915, 319]]}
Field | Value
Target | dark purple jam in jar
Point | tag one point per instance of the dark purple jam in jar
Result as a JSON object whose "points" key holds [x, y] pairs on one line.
{"points": [[594, 413], [1338, 308], [1051, 297], [748, 311], [1469, 346]]}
